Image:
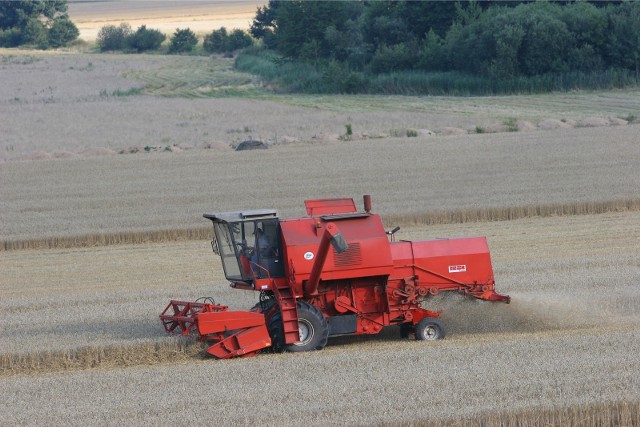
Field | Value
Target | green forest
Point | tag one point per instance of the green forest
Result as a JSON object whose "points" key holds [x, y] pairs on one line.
{"points": [[478, 47], [442, 47]]}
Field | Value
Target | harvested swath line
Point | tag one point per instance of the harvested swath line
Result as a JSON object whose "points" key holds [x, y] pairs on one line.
{"points": [[150, 353], [427, 218], [618, 413]]}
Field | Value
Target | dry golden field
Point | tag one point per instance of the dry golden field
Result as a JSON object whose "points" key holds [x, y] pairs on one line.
{"points": [[82, 325], [108, 162], [200, 16]]}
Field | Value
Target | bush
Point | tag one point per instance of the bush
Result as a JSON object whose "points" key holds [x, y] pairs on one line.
{"points": [[393, 58], [10, 38], [34, 33], [183, 41], [62, 32], [111, 37], [239, 39], [144, 39], [219, 41]]}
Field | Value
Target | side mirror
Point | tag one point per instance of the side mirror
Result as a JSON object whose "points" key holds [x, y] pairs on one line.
{"points": [[392, 232]]}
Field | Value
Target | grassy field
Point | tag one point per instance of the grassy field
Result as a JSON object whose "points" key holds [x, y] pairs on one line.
{"points": [[103, 151], [85, 103]]}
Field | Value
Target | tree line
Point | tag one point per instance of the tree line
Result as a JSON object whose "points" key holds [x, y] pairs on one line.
{"points": [[362, 41], [41, 23], [408, 47], [45, 24]]}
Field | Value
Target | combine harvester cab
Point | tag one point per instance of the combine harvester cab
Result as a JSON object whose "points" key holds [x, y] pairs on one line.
{"points": [[333, 272]]}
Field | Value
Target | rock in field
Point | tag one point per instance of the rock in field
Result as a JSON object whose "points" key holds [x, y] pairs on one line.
{"points": [[251, 144]]}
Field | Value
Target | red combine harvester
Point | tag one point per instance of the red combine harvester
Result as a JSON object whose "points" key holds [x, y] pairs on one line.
{"points": [[334, 272]]}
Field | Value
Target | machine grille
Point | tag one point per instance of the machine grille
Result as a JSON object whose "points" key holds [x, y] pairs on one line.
{"points": [[352, 256]]}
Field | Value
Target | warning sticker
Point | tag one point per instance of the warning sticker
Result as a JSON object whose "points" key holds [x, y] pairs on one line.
{"points": [[457, 268]]}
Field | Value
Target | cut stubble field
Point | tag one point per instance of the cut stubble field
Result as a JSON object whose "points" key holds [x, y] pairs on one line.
{"points": [[568, 338], [560, 209], [148, 193]]}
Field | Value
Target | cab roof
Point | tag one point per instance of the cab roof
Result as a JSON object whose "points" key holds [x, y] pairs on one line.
{"points": [[241, 215]]}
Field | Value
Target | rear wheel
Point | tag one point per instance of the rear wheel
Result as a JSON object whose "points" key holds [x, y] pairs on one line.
{"points": [[429, 329]]}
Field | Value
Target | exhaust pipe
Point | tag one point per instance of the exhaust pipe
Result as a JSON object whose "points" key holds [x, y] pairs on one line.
{"points": [[367, 203]]}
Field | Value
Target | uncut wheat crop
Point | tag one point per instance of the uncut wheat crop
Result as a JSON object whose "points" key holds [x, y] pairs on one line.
{"points": [[568, 339]]}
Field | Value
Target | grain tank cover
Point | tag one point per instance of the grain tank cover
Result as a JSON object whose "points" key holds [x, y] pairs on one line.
{"points": [[464, 260], [329, 206], [368, 252]]}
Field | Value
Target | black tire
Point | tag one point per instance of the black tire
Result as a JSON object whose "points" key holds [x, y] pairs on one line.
{"points": [[264, 306], [429, 329], [314, 330], [276, 332], [406, 330]]}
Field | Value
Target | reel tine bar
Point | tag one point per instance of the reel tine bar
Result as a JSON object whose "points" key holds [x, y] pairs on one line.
{"points": [[180, 316]]}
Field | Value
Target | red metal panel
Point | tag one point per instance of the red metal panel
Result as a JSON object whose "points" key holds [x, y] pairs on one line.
{"points": [[463, 260], [329, 206], [214, 322], [244, 342], [445, 261], [368, 253]]}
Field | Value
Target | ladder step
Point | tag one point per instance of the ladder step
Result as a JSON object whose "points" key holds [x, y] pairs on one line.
{"points": [[289, 311]]}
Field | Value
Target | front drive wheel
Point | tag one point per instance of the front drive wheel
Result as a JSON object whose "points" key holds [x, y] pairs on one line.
{"points": [[312, 326], [429, 329], [313, 329]]}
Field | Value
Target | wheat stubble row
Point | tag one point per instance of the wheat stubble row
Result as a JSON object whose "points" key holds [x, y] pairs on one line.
{"points": [[568, 339], [60, 299]]}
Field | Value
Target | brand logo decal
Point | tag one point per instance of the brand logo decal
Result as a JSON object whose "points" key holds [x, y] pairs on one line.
{"points": [[457, 268], [308, 256]]}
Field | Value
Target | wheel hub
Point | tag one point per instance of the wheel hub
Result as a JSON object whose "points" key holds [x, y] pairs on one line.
{"points": [[305, 331], [431, 333]]}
